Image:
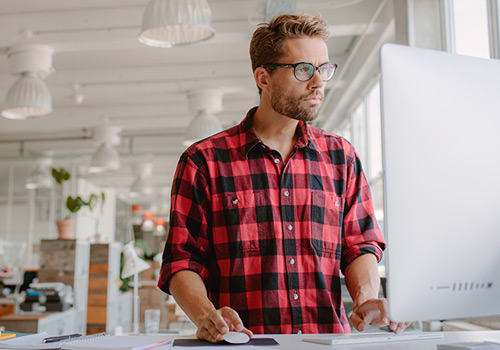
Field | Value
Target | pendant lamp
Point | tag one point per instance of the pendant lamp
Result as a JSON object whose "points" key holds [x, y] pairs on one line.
{"points": [[201, 126], [205, 102], [169, 23], [40, 177], [106, 157], [141, 187], [29, 96]]}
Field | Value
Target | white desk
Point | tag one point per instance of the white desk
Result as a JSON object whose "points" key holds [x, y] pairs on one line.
{"points": [[294, 342]]}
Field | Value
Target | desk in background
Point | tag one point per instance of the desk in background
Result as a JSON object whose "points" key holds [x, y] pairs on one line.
{"points": [[54, 323]]}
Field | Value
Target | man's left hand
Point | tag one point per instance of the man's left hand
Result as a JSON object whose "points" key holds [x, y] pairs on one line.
{"points": [[374, 312]]}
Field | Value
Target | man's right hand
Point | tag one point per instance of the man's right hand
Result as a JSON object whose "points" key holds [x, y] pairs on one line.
{"points": [[216, 323], [190, 293]]}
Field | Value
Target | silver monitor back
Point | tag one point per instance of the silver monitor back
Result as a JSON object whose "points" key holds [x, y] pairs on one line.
{"points": [[441, 151]]}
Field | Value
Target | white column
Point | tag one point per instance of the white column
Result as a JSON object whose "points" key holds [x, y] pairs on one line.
{"points": [[10, 198], [31, 227]]}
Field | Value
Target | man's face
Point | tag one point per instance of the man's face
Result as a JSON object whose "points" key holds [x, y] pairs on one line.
{"points": [[300, 100]]}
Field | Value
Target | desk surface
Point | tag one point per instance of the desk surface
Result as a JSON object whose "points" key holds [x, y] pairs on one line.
{"points": [[294, 342]]}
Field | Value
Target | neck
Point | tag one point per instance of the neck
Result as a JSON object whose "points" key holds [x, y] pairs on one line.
{"points": [[275, 130]]}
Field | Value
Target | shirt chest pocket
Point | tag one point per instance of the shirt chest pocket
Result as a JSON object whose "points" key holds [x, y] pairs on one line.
{"points": [[235, 228], [327, 212]]}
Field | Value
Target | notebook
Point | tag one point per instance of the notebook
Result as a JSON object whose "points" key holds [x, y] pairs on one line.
{"points": [[33, 341], [105, 341], [101, 341]]}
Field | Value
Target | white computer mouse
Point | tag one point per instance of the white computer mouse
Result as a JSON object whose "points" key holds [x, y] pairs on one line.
{"points": [[236, 338]]}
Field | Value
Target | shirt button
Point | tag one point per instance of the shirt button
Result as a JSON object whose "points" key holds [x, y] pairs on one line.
{"points": [[337, 203], [276, 160], [292, 261], [289, 227], [295, 296], [286, 193], [235, 201]]}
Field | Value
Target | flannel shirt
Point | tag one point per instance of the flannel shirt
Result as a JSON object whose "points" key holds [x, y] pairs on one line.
{"points": [[269, 238]]}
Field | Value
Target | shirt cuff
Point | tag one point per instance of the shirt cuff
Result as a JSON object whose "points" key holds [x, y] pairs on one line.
{"points": [[356, 251], [169, 269]]}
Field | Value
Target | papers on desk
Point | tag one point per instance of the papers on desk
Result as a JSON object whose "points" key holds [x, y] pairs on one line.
{"points": [[34, 341], [99, 342]]}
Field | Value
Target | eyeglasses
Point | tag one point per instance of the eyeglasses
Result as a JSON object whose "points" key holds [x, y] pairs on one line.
{"points": [[304, 71]]}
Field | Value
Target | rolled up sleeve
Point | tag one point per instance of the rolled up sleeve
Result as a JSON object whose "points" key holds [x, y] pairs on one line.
{"points": [[361, 233], [187, 246]]}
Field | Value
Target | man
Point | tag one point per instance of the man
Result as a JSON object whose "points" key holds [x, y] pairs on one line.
{"points": [[266, 214]]}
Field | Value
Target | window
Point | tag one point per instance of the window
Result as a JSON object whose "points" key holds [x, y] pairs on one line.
{"points": [[363, 129], [358, 133], [470, 23], [374, 132]]}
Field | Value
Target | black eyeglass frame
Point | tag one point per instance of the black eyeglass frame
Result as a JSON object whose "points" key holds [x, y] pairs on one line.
{"points": [[294, 65]]}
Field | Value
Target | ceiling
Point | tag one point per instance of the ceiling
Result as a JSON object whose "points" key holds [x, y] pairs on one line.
{"points": [[103, 75]]}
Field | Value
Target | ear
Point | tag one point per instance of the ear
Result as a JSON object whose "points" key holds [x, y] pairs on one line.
{"points": [[261, 76]]}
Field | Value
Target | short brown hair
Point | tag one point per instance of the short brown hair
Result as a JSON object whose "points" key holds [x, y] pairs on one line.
{"points": [[268, 39]]}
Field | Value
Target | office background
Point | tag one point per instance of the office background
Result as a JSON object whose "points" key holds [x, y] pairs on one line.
{"points": [[103, 77]]}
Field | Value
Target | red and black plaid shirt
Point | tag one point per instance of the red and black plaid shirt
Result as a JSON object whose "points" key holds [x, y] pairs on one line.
{"points": [[270, 239]]}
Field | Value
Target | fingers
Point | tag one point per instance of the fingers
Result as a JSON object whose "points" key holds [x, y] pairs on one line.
{"points": [[357, 322], [210, 335], [399, 327], [212, 327], [218, 322], [232, 319], [234, 322], [373, 312], [247, 332]]}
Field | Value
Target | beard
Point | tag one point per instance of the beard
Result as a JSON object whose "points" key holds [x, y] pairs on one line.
{"points": [[286, 104]]}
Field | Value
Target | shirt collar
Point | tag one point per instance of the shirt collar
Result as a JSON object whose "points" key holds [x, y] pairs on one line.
{"points": [[249, 138]]}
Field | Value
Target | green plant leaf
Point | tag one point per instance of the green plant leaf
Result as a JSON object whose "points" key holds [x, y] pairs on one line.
{"points": [[92, 201], [60, 175], [74, 204]]}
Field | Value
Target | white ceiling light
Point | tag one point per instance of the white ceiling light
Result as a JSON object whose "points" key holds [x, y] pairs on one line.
{"points": [[201, 126], [29, 96], [204, 101], [106, 157], [168, 23], [41, 176], [142, 184]]}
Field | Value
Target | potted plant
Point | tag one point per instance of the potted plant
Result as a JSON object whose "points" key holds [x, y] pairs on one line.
{"points": [[73, 204]]}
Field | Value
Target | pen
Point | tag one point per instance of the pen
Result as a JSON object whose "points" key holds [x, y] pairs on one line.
{"points": [[60, 337]]}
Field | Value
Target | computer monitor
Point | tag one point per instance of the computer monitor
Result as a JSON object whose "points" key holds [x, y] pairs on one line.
{"points": [[441, 153]]}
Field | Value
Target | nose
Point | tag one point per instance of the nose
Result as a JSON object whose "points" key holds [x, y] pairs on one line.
{"points": [[316, 82]]}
